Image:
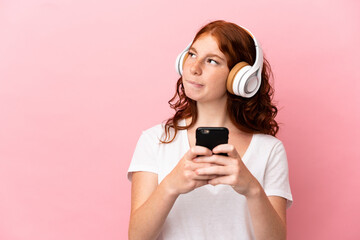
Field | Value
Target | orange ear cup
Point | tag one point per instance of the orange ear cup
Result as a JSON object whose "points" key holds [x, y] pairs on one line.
{"points": [[232, 74], [183, 62]]}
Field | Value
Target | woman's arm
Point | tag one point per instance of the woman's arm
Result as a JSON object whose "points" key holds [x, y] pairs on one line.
{"points": [[151, 203], [268, 214]]}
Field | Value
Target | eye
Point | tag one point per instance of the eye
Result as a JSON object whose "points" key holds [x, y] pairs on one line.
{"points": [[212, 61], [192, 55]]}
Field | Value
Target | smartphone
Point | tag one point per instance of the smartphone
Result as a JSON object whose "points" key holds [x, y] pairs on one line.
{"points": [[210, 137]]}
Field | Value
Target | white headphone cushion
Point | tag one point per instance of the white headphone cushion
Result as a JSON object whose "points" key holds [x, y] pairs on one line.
{"points": [[239, 84]]}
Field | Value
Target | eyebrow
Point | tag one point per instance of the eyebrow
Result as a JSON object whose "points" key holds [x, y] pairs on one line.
{"points": [[208, 55]]}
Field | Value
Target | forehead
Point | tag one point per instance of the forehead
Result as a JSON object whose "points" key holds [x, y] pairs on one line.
{"points": [[207, 44]]}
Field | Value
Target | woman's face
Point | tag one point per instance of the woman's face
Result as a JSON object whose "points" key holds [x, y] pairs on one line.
{"points": [[205, 71]]}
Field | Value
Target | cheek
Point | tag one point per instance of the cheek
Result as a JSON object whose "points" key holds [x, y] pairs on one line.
{"points": [[221, 79], [186, 72], [186, 66]]}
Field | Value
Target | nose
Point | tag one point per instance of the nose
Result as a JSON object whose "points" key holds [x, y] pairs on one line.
{"points": [[195, 67]]}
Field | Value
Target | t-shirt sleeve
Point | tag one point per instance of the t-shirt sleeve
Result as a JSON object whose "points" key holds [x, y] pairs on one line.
{"points": [[144, 157], [276, 182]]}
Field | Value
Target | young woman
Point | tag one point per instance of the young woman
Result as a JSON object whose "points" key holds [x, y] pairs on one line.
{"points": [[183, 191]]}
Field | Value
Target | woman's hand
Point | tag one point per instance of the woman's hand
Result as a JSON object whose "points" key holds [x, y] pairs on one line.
{"points": [[182, 178], [229, 170]]}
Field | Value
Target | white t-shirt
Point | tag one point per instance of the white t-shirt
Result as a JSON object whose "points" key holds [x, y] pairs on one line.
{"points": [[212, 212]]}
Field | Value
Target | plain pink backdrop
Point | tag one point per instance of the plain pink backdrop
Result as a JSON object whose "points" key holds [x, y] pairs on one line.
{"points": [[80, 80]]}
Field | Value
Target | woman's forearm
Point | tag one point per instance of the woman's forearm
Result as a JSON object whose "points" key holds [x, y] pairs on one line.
{"points": [[266, 222], [146, 221]]}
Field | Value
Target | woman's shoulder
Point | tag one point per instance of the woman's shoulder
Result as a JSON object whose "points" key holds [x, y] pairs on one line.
{"points": [[159, 129], [266, 139], [267, 145]]}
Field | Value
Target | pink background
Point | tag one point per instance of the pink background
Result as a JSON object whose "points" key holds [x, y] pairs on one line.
{"points": [[80, 80]]}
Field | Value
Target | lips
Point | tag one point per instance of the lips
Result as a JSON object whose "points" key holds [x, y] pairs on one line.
{"points": [[195, 84]]}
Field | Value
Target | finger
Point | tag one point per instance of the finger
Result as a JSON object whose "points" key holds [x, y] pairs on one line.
{"points": [[201, 165], [198, 150], [215, 159], [227, 180], [205, 177], [215, 170], [192, 175], [226, 148], [190, 165]]}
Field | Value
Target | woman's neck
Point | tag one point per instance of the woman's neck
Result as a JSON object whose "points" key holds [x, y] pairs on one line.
{"points": [[212, 115]]}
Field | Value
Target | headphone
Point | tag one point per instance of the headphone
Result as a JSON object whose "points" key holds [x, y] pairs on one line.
{"points": [[243, 80]]}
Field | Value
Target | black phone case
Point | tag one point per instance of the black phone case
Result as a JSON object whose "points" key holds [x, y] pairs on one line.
{"points": [[210, 137]]}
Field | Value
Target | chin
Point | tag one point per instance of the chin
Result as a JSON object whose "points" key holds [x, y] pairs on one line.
{"points": [[192, 95]]}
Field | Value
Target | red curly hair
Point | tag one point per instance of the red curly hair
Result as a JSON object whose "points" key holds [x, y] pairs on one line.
{"points": [[252, 115]]}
